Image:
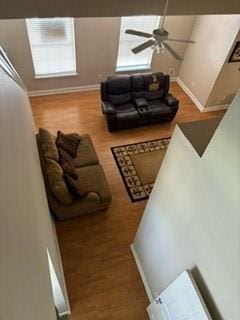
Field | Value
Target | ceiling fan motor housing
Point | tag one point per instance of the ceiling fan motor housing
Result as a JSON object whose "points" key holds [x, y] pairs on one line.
{"points": [[160, 34]]}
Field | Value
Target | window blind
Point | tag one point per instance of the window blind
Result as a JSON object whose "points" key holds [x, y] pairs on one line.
{"points": [[127, 60], [52, 45]]}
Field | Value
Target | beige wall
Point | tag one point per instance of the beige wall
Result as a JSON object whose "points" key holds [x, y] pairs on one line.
{"points": [[96, 50], [192, 219], [110, 8], [228, 81], [26, 229], [214, 36]]}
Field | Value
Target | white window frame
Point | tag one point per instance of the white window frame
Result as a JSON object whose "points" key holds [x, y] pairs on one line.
{"points": [[135, 67], [58, 74]]}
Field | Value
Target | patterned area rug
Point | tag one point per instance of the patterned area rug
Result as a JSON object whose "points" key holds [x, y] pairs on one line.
{"points": [[139, 164]]}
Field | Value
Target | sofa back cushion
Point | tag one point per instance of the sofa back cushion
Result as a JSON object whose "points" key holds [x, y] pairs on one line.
{"points": [[56, 182], [137, 86], [119, 89], [68, 142], [118, 99], [154, 86], [47, 144]]}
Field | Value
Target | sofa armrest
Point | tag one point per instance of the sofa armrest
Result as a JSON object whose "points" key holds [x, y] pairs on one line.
{"points": [[108, 107], [170, 100], [140, 102]]}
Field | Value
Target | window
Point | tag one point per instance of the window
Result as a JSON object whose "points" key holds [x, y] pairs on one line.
{"points": [[53, 46], [127, 60]]}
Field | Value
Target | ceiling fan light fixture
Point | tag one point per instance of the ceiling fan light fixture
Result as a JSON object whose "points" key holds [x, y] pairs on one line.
{"points": [[158, 49], [158, 39]]}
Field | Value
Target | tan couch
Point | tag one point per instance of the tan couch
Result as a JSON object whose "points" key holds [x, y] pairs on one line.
{"points": [[61, 202]]}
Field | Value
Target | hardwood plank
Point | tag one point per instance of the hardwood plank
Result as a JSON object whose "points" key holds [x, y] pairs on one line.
{"points": [[101, 275]]}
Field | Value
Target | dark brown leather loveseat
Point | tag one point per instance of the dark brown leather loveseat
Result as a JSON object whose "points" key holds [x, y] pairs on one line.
{"points": [[136, 100]]}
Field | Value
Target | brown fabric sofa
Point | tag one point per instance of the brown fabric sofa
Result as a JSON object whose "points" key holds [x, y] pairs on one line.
{"points": [[61, 202]]}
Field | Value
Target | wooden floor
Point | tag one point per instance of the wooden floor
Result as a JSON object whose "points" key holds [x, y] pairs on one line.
{"points": [[101, 275]]}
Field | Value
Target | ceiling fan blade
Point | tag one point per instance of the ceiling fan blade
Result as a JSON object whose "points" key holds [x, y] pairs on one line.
{"points": [[181, 40], [162, 20], [173, 52], [138, 33], [143, 46]]}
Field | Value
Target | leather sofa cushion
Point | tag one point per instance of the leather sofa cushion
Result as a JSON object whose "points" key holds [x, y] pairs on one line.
{"points": [[160, 110], [137, 83], [154, 95], [137, 86], [57, 185], [47, 144], [141, 102], [138, 94], [128, 107], [118, 99], [119, 85]]}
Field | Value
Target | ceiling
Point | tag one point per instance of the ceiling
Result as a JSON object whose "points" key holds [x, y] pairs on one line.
{"points": [[111, 8]]}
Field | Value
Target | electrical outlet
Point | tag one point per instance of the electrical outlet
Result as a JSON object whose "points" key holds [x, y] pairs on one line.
{"points": [[193, 83], [171, 72], [99, 75]]}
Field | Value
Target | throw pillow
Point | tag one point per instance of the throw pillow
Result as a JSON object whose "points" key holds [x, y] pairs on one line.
{"points": [[68, 142], [56, 182], [47, 144], [75, 186], [66, 162], [153, 86]]}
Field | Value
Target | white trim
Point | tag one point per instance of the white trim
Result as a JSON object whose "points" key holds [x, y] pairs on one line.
{"points": [[31, 24], [215, 108], [173, 79], [58, 296], [63, 282], [196, 101], [56, 75], [190, 94], [64, 314], [63, 90], [136, 68], [141, 272]]}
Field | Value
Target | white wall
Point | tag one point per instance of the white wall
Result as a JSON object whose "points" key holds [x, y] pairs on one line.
{"points": [[192, 219], [214, 36], [228, 81], [96, 50], [26, 229]]}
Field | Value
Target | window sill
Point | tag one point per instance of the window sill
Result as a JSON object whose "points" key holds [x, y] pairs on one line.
{"points": [[56, 75], [133, 68]]}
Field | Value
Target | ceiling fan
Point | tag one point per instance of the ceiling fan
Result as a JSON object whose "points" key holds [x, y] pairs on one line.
{"points": [[159, 38]]}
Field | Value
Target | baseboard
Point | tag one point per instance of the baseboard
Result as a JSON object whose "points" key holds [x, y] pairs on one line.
{"points": [[64, 315], [197, 102], [173, 79], [70, 89], [63, 90], [141, 272], [190, 94], [63, 282], [215, 108]]}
